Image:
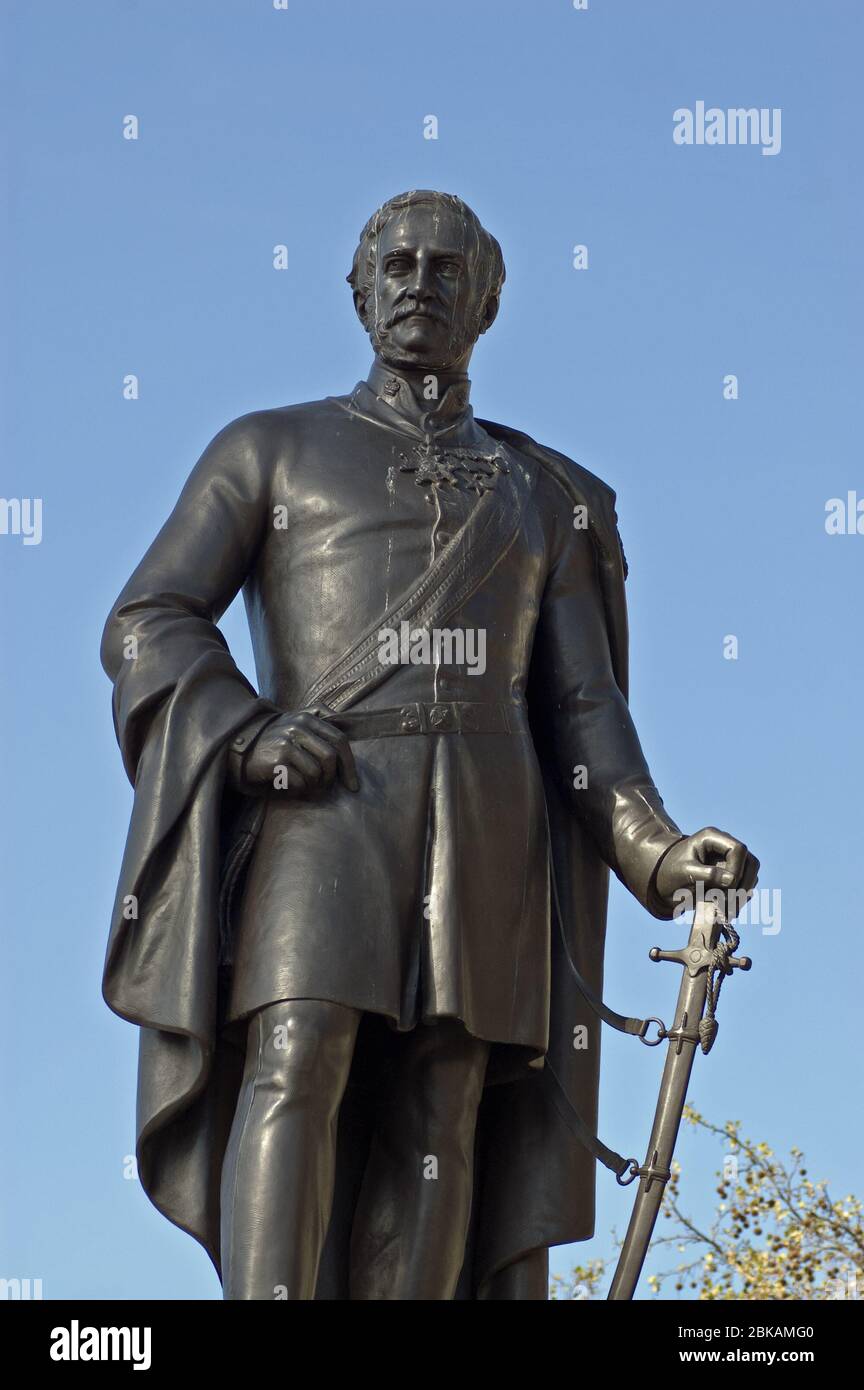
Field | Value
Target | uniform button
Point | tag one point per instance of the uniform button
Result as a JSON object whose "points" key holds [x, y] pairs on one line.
{"points": [[410, 723], [442, 717], [444, 538]]}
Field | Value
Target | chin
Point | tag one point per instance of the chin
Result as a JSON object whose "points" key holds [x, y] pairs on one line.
{"points": [[419, 340], [416, 346], [415, 355]]}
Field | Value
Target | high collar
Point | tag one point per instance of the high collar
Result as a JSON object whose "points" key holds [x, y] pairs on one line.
{"points": [[394, 390]]}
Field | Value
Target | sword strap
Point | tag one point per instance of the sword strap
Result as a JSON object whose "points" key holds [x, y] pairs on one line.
{"points": [[567, 1111], [636, 1027]]}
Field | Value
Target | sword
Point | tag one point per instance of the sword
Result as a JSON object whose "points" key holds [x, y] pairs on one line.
{"points": [[706, 957]]}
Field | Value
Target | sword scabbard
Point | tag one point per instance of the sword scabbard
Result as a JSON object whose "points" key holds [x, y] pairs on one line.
{"points": [[697, 958]]}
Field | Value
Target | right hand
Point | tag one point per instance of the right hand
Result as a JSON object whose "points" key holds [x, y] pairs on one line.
{"points": [[300, 755]]}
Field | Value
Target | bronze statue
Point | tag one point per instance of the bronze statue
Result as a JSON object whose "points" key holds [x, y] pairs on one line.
{"points": [[336, 924]]}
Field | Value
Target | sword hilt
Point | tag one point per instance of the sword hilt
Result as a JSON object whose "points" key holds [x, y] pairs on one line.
{"points": [[695, 958], [699, 953]]}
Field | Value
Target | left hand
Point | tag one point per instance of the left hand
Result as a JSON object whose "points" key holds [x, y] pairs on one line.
{"points": [[710, 857]]}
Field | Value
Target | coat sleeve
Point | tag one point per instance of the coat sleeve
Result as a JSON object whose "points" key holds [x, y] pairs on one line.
{"points": [[164, 623], [590, 736]]}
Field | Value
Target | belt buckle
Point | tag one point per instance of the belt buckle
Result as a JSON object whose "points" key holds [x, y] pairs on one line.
{"points": [[442, 719]]}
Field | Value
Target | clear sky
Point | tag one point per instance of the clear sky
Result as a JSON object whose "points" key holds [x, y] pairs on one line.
{"points": [[154, 257]]}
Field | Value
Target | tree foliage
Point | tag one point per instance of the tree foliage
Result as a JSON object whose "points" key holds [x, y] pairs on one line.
{"points": [[775, 1233]]}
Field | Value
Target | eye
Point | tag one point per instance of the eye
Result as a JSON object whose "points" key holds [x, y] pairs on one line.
{"points": [[449, 267], [397, 265]]}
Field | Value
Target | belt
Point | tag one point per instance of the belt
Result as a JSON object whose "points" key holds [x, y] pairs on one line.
{"points": [[455, 717]]}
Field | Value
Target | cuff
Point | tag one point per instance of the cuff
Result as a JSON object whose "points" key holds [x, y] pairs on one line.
{"points": [[644, 834], [242, 742], [657, 906]]}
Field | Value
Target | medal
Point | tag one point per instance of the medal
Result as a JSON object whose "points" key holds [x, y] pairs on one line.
{"points": [[458, 466]]}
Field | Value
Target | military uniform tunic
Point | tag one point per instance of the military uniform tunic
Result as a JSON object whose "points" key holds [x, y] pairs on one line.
{"points": [[426, 894]]}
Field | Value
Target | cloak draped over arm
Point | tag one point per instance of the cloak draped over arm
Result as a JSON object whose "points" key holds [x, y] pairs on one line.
{"points": [[178, 698], [165, 618]]}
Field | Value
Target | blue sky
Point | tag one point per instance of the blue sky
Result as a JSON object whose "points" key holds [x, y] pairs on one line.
{"points": [[154, 257]]}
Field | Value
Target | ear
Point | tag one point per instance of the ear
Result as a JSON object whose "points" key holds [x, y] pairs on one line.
{"points": [[489, 312]]}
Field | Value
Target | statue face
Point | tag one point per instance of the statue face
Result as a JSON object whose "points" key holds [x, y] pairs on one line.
{"points": [[427, 309]]}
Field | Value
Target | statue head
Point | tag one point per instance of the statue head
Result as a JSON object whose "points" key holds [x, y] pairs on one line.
{"points": [[427, 279]]}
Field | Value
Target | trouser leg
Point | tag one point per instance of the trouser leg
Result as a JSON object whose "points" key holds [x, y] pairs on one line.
{"points": [[408, 1239], [525, 1280], [278, 1173]]}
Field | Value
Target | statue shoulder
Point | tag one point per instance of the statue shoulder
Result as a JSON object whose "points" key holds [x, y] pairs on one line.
{"points": [[566, 470], [260, 428], [255, 441], [581, 485]]}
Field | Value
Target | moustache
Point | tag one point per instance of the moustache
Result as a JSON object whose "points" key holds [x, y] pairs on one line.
{"points": [[411, 310]]}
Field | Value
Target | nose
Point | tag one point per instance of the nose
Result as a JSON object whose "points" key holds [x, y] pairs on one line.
{"points": [[420, 280]]}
